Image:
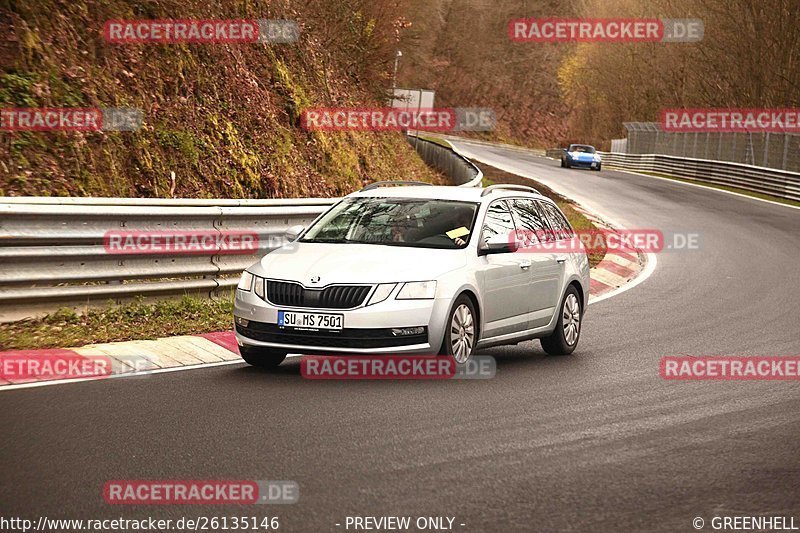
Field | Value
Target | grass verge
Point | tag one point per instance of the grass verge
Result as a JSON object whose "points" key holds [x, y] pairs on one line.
{"points": [[133, 321]]}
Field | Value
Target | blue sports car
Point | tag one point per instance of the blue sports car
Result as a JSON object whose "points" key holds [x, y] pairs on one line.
{"points": [[581, 156]]}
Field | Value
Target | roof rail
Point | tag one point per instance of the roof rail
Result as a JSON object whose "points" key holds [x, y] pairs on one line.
{"points": [[491, 188], [387, 183]]}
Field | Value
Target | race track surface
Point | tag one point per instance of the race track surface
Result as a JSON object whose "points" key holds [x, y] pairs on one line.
{"points": [[595, 441]]}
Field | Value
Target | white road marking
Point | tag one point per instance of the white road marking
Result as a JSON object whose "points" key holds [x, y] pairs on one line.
{"points": [[36, 384]]}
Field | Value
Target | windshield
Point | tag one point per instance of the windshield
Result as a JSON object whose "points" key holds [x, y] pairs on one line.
{"points": [[412, 222], [581, 148]]}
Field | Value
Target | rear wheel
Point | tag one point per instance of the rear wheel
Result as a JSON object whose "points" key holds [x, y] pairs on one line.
{"points": [[565, 337], [262, 357], [462, 330]]}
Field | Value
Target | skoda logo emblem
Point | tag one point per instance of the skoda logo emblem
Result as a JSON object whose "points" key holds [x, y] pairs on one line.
{"points": [[315, 279]]}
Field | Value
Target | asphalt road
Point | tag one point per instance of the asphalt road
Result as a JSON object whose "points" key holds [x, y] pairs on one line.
{"points": [[592, 442]]}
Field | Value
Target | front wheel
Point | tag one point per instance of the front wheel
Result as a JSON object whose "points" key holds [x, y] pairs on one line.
{"points": [[599, 168], [565, 337], [262, 357], [462, 330]]}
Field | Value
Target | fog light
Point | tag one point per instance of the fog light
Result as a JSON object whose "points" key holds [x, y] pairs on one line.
{"points": [[242, 321], [399, 332]]}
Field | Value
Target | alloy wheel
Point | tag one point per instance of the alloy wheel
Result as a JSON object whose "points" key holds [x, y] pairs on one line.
{"points": [[571, 319], [462, 333]]}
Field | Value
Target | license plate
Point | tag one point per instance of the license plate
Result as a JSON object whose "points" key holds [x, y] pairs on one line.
{"points": [[312, 321]]}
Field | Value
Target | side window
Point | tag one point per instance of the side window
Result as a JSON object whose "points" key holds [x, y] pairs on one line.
{"points": [[498, 221], [558, 222], [530, 221]]}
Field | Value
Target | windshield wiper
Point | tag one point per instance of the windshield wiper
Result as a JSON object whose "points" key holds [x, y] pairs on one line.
{"points": [[327, 241]]}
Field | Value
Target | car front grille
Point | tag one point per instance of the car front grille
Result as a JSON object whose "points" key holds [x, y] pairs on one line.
{"points": [[347, 338], [332, 297]]}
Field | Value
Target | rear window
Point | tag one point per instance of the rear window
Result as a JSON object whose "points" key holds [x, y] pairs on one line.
{"points": [[558, 221]]}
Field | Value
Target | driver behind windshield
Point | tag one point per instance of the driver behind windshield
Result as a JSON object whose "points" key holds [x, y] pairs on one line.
{"points": [[461, 226]]}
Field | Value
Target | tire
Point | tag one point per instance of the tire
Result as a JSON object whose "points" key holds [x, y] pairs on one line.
{"points": [[262, 357], [599, 168], [563, 340], [562, 163], [463, 324], [566, 164]]}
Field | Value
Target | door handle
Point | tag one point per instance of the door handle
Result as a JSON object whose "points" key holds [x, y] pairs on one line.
{"points": [[525, 264], [561, 259]]}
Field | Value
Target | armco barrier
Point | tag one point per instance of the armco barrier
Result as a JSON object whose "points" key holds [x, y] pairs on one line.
{"points": [[778, 183], [52, 253], [444, 159], [771, 181]]}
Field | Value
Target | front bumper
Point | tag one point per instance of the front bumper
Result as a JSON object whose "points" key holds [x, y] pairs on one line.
{"points": [[366, 330], [583, 164]]}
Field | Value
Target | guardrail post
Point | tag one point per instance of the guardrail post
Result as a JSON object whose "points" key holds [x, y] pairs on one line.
{"points": [[785, 150], [766, 150]]}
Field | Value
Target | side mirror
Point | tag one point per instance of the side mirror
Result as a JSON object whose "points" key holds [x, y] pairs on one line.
{"points": [[498, 244], [294, 231]]}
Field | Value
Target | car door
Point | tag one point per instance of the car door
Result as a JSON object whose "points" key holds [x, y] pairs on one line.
{"points": [[562, 233], [504, 276], [544, 271]]}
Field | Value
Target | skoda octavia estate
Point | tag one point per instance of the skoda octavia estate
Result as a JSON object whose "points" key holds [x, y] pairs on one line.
{"points": [[417, 269]]}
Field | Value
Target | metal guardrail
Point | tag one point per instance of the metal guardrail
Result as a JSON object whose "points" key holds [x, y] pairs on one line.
{"points": [[446, 160], [523, 149], [52, 251], [775, 182], [771, 181]]}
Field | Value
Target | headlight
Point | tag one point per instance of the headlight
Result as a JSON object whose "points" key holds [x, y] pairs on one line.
{"points": [[258, 287], [245, 282], [382, 292], [417, 290], [597, 157]]}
